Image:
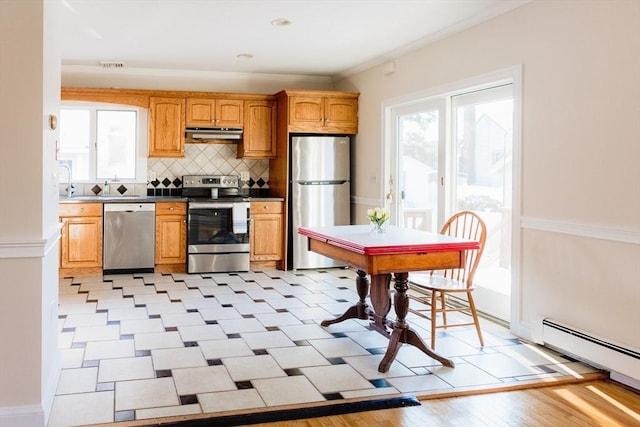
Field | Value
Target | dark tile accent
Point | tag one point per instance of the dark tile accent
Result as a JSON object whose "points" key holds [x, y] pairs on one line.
{"points": [[248, 316], [332, 396], [102, 310], [282, 310], [260, 352], [188, 399], [78, 345], [214, 362], [244, 385], [336, 360], [268, 288], [211, 322], [293, 372], [106, 386], [155, 182], [62, 316], [163, 373], [289, 296], [546, 369], [120, 416], [177, 182], [233, 336], [258, 300], [191, 344], [192, 310], [171, 329], [140, 305], [339, 334], [90, 363], [96, 189], [166, 182], [380, 383], [126, 337], [301, 343], [377, 350], [175, 300], [342, 300], [272, 328], [261, 182], [227, 305], [143, 353], [240, 292], [113, 322], [122, 189]]}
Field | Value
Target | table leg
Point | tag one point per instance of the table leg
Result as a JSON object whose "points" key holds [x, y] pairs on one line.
{"points": [[361, 309], [401, 332]]}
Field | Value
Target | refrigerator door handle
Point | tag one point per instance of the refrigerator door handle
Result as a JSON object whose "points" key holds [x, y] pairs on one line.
{"points": [[333, 182]]}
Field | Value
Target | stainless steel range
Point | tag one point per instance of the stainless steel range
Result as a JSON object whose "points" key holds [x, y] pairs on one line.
{"points": [[217, 224]]}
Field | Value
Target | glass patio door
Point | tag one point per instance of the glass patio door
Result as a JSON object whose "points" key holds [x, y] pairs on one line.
{"points": [[451, 153], [420, 131]]}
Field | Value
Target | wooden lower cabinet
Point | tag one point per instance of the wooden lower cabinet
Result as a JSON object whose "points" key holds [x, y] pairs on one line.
{"points": [[81, 237], [265, 233], [171, 236]]}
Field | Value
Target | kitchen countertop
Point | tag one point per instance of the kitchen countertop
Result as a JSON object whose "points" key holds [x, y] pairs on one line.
{"points": [[137, 199]]}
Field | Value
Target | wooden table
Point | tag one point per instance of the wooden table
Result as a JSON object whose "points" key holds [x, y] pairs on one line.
{"points": [[396, 251]]}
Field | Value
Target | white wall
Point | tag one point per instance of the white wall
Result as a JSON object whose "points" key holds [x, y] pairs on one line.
{"points": [[580, 220], [29, 92]]}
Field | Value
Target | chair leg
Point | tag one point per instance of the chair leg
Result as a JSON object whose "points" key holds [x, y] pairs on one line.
{"points": [[434, 311], [472, 306], [443, 305]]}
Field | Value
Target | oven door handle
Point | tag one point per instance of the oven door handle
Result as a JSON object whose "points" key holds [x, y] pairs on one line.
{"points": [[206, 205]]}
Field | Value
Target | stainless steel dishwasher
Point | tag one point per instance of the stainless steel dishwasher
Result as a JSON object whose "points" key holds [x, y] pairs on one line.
{"points": [[128, 237]]}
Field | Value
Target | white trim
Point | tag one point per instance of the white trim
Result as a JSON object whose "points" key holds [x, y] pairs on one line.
{"points": [[616, 234], [366, 201], [30, 248], [186, 74], [22, 416]]}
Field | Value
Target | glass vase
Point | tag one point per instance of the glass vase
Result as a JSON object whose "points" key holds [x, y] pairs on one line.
{"points": [[377, 228]]}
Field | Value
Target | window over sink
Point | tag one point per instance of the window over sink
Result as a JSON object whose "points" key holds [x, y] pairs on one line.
{"points": [[103, 142]]}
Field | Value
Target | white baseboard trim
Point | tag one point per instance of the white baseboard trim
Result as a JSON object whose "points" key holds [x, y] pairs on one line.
{"points": [[22, 416], [625, 235]]}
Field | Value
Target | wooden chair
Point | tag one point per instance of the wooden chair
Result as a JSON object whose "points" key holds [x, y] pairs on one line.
{"points": [[437, 284]]}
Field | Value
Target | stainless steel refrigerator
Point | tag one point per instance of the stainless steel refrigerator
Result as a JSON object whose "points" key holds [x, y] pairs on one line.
{"points": [[320, 192]]}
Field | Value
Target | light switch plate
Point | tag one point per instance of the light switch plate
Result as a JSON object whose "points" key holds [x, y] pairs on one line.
{"points": [[244, 175]]}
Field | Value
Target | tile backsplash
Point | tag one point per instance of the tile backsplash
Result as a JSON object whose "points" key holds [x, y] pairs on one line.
{"points": [[165, 174]]}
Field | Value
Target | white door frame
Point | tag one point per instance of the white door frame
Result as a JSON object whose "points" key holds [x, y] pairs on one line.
{"points": [[511, 75]]}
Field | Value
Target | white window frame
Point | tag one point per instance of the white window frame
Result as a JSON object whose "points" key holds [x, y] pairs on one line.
{"points": [[142, 136]]}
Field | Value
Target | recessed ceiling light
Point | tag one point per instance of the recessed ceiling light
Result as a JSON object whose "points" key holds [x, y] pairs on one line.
{"points": [[244, 56], [280, 22]]}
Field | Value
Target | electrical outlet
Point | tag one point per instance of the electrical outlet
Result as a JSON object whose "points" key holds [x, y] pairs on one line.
{"points": [[244, 175]]}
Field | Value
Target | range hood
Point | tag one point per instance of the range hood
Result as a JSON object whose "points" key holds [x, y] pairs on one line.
{"points": [[212, 133]]}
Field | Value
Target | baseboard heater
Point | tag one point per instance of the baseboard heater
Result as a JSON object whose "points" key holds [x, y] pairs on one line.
{"points": [[591, 349]]}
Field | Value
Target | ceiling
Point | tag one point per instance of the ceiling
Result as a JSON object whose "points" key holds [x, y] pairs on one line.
{"points": [[323, 38]]}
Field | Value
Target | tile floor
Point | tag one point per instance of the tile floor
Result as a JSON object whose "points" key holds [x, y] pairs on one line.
{"points": [[135, 347]]}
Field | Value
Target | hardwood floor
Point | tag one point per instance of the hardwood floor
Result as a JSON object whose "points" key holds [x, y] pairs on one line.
{"points": [[595, 403]]}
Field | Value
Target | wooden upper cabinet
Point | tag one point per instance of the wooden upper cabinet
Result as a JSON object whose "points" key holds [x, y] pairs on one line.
{"points": [[166, 127], [259, 135], [323, 113], [205, 112]]}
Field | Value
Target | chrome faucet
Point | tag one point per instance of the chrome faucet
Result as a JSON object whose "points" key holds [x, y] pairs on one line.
{"points": [[69, 186]]}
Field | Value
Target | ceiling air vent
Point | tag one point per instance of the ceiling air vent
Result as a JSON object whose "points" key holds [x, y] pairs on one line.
{"points": [[112, 64]]}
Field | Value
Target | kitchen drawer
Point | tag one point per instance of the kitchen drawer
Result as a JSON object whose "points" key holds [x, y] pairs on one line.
{"points": [[80, 209], [258, 208], [171, 208]]}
